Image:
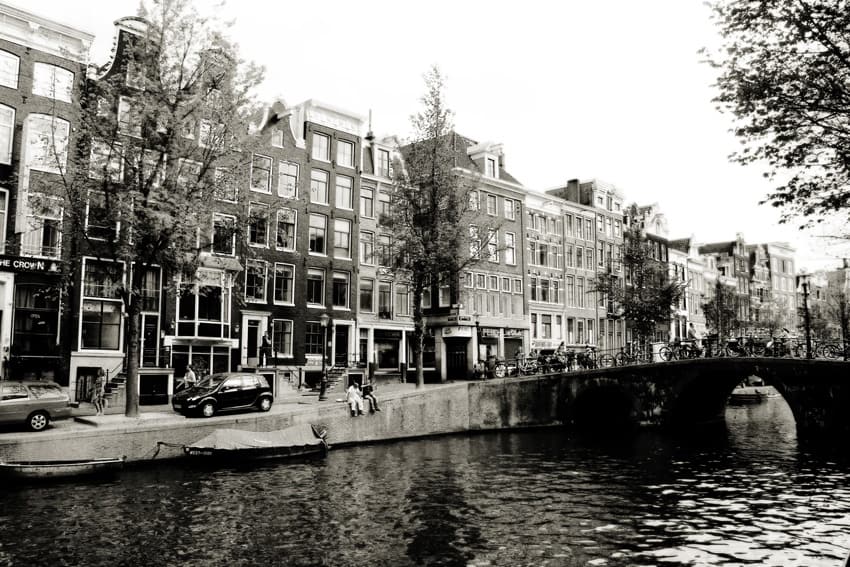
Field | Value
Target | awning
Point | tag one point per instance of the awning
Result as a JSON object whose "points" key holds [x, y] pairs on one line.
{"points": [[221, 263]]}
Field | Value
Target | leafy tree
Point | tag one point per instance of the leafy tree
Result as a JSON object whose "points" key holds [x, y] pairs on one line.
{"points": [[158, 144], [721, 310], [771, 315], [430, 211], [649, 295], [838, 308], [785, 76]]}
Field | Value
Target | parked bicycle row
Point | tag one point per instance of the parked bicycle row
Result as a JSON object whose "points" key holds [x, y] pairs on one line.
{"points": [[562, 359]]}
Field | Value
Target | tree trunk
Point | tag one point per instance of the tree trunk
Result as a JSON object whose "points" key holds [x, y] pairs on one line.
{"points": [[131, 392], [418, 332]]}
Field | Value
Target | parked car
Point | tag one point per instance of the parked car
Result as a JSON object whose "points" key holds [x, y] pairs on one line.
{"points": [[224, 391], [33, 402]]}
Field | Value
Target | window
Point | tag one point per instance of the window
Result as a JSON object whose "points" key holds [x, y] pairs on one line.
{"points": [[474, 203], [188, 172], [282, 337], [493, 283], [617, 228], [211, 135], [600, 223], [261, 173], [367, 295], [385, 256], [546, 326], [286, 229], [321, 147], [383, 203], [277, 138], [52, 81], [568, 225], [383, 165], [224, 234], [43, 226], [36, 319], [342, 238], [510, 212], [517, 285], [367, 202], [445, 295], [402, 300], [579, 292], [385, 308], [344, 188], [542, 255], [284, 277], [571, 292], [204, 305], [135, 75], [534, 325], [588, 229], [105, 160], [491, 205], [510, 248], [225, 188], [339, 289], [47, 142], [316, 286], [474, 242], [287, 179], [568, 256], [426, 292], [129, 121], [319, 186], [490, 168], [101, 308], [317, 233], [367, 248], [255, 281], [9, 68], [258, 224], [7, 130], [492, 245], [345, 153], [480, 281], [579, 257], [100, 221], [314, 342], [506, 285]]}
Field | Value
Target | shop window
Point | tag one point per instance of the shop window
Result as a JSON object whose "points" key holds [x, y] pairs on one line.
{"points": [[101, 306], [36, 320]]}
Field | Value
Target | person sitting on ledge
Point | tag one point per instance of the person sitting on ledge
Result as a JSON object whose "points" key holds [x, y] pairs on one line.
{"points": [[368, 394], [354, 399]]}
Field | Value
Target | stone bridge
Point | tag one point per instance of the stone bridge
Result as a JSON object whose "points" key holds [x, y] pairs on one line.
{"points": [[696, 391]]}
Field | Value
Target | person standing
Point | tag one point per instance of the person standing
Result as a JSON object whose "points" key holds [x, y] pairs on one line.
{"points": [[189, 379], [265, 350]]}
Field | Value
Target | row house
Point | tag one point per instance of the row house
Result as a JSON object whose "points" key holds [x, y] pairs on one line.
{"points": [[483, 314], [601, 204], [732, 260], [384, 309], [696, 287], [42, 66], [783, 285]]}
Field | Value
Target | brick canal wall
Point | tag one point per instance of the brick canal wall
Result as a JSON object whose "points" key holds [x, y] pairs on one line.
{"points": [[435, 410]]}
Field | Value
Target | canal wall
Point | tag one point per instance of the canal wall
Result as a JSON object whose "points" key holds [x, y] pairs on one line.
{"points": [[433, 410]]}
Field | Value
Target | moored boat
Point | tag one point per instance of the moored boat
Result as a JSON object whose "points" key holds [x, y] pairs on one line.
{"points": [[752, 391], [46, 470], [235, 444]]}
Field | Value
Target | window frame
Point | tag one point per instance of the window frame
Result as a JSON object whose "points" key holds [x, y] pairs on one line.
{"points": [[342, 144], [9, 56], [314, 147], [291, 296], [268, 181]]}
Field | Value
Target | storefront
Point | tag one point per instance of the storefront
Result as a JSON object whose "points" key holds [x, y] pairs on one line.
{"points": [[388, 349], [513, 342], [488, 342]]}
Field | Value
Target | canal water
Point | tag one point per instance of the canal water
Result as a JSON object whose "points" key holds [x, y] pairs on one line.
{"points": [[744, 494]]}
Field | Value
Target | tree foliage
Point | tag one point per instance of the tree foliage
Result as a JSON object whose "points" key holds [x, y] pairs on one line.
{"points": [[429, 213], [785, 76], [159, 142], [721, 310], [648, 296]]}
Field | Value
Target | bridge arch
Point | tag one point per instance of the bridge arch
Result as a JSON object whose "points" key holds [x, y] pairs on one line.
{"points": [[696, 391]]}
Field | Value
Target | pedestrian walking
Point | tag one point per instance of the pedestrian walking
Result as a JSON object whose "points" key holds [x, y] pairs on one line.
{"points": [[189, 378], [98, 398]]}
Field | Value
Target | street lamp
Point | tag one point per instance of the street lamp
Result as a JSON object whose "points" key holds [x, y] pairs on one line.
{"points": [[805, 279], [324, 319]]}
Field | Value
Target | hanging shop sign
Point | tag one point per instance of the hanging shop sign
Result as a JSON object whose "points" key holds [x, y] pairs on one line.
{"points": [[489, 332], [457, 331]]}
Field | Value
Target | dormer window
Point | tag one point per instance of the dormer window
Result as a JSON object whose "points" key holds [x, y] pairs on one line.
{"points": [[490, 168]]}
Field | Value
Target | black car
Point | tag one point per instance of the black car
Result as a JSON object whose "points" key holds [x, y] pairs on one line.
{"points": [[224, 391]]}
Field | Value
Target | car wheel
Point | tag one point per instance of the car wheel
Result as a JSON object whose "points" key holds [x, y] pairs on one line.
{"points": [[265, 404], [37, 421], [208, 409]]}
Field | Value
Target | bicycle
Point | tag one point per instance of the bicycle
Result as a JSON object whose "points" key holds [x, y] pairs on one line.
{"points": [[682, 351], [631, 355]]}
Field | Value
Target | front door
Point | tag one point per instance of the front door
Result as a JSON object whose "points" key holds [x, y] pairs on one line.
{"points": [[341, 342], [253, 342], [456, 359]]}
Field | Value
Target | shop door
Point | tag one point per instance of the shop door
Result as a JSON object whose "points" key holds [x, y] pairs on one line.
{"points": [[341, 342], [456, 364]]}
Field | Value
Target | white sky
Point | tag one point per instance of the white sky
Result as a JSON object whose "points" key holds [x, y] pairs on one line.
{"points": [[612, 89]]}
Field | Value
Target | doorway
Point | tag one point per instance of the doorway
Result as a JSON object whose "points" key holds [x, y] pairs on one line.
{"points": [[456, 363], [253, 342], [341, 343]]}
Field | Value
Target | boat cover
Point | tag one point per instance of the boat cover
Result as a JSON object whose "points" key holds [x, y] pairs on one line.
{"points": [[234, 439]]}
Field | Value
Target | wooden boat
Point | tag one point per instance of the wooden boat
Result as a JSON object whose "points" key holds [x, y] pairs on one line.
{"points": [[60, 468], [237, 445], [752, 391]]}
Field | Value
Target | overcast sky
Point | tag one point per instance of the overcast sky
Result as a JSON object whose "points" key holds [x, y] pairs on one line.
{"points": [[612, 89]]}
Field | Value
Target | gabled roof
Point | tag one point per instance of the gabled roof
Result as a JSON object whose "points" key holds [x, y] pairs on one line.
{"points": [[717, 247], [460, 144]]}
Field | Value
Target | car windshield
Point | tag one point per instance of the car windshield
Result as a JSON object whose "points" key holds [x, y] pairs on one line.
{"points": [[211, 381]]}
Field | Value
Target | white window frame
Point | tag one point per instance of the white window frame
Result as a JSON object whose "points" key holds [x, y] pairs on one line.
{"points": [[361, 243], [287, 353], [510, 249], [128, 122], [349, 224], [327, 182], [510, 211], [8, 77], [221, 177], [83, 297], [265, 273], [492, 200], [35, 147], [321, 272], [277, 138], [371, 308], [232, 236], [268, 188], [291, 299], [42, 73], [314, 148], [8, 128], [325, 239], [342, 144], [284, 170], [251, 208], [337, 192], [294, 214], [346, 276]]}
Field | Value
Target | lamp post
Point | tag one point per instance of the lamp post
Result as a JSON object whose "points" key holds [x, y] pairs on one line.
{"points": [[324, 319], [807, 321]]}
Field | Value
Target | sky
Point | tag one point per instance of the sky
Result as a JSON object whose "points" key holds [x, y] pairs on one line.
{"points": [[608, 89]]}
